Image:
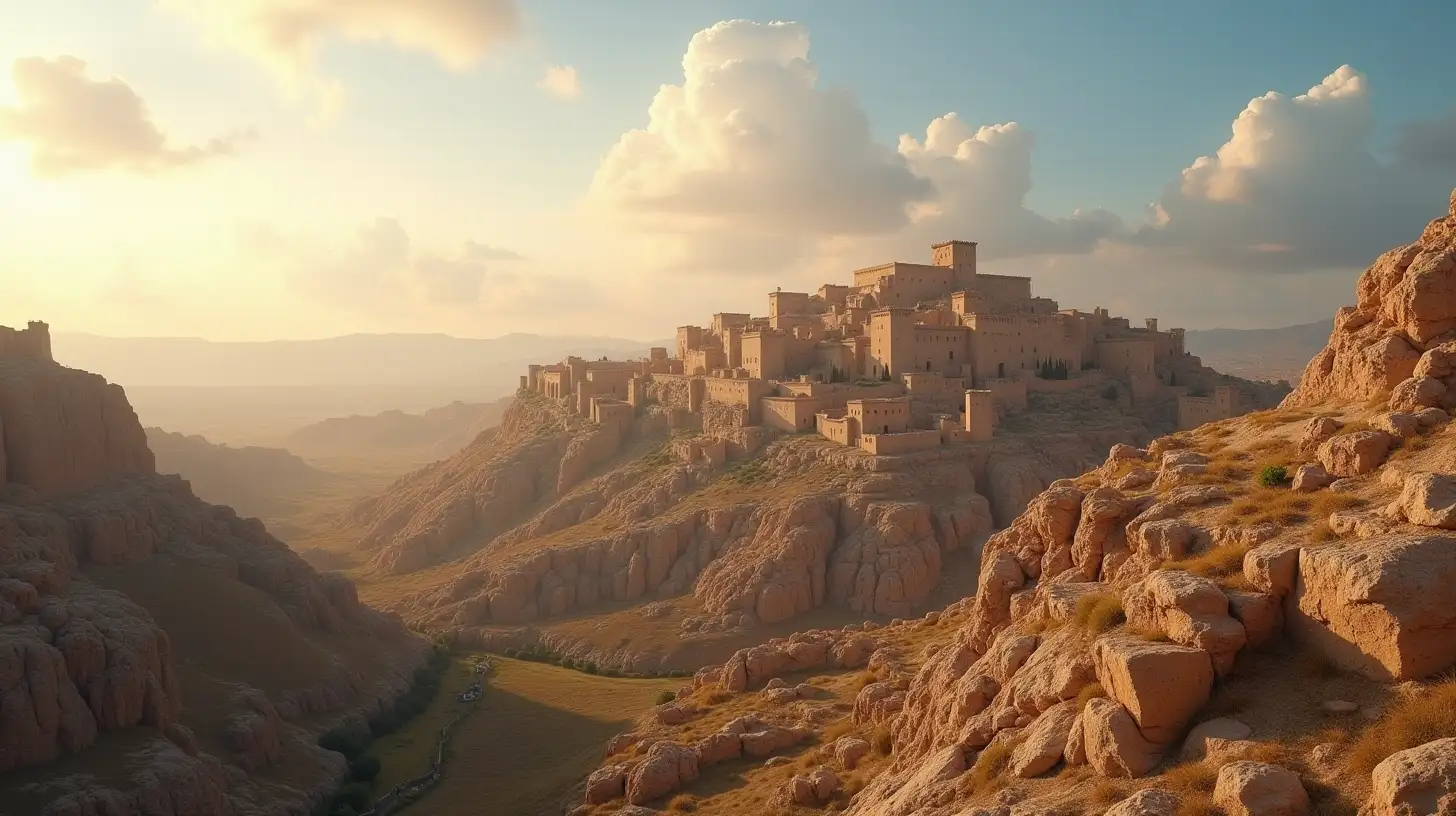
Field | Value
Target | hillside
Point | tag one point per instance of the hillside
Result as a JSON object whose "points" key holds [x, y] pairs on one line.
{"points": [[160, 654], [1261, 354], [604, 543], [254, 481], [396, 436], [1253, 617]]}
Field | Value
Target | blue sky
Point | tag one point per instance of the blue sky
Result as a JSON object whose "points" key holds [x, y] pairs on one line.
{"points": [[1119, 97]]}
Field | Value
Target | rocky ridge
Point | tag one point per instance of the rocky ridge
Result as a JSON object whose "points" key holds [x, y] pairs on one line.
{"points": [[1183, 629], [567, 517], [125, 603]]}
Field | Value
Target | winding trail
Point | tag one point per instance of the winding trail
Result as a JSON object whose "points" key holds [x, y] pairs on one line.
{"points": [[410, 791]]}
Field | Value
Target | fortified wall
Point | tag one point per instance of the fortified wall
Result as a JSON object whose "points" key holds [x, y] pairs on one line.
{"points": [[32, 344], [906, 357]]}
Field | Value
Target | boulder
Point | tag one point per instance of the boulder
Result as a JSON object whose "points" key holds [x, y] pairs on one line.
{"points": [[1354, 454], [605, 784], [849, 751], [1309, 478], [1044, 741], [667, 768], [1379, 605], [1271, 568], [1190, 609], [1261, 614], [720, 746], [1162, 685], [1315, 432], [1415, 393], [761, 743], [1429, 418], [1247, 788], [1195, 746], [1399, 424], [1419, 781], [825, 782], [1113, 744], [1150, 802], [1428, 499]]}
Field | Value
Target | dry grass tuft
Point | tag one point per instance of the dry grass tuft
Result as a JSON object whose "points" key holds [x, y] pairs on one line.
{"points": [[1088, 693], [1320, 532], [1199, 806], [1100, 612], [683, 803], [1105, 792], [1216, 563], [882, 742], [1416, 721], [985, 776], [1190, 778], [1151, 634]]}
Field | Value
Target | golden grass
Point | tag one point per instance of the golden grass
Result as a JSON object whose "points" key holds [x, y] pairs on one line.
{"points": [[1105, 792], [1217, 562], [1415, 721], [986, 774], [1320, 532], [1098, 613], [1190, 778], [1088, 693], [683, 803], [881, 741], [536, 732]]}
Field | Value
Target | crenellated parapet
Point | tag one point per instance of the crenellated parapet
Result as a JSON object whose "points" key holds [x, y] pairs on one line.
{"points": [[32, 344]]}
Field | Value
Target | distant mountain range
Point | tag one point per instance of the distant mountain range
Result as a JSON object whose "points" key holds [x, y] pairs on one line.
{"points": [[257, 393], [352, 360], [1261, 354]]}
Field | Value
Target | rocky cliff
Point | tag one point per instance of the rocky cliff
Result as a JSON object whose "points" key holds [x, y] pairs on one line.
{"points": [[158, 653], [549, 517], [1256, 617]]}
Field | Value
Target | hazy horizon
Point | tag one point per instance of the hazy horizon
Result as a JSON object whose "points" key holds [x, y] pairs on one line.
{"points": [[307, 170]]}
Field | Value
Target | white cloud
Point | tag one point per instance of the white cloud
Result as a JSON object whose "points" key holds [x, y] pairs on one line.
{"points": [[1298, 187], [74, 123], [750, 153], [983, 177], [286, 34], [378, 269], [561, 82]]}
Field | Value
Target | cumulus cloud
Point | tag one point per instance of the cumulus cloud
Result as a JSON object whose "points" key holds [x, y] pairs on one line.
{"points": [[1297, 187], [561, 82], [750, 146], [75, 123], [982, 177], [380, 269], [286, 34]]}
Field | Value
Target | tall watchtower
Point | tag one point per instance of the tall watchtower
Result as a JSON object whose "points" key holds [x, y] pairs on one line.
{"points": [[960, 256], [980, 415]]}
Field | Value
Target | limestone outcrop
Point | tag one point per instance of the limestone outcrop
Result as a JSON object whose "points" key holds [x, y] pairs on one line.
{"points": [[1418, 780], [1403, 313], [65, 431], [119, 588]]}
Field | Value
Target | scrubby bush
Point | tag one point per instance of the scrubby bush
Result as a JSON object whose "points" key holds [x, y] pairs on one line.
{"points": [[665, 697], [1273, 475], [589, 667], [512, 652]]}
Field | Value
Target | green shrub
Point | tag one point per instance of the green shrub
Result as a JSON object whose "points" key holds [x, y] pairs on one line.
{"points": [[364, 769], [1273, 475], [665, 697], [589, 667], [512, 652]]}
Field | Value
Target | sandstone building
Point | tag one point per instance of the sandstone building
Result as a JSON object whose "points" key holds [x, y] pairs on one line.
{"points": [[906, 357]]}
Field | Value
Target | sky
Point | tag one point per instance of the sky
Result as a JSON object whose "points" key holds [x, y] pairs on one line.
{"points": [[263, 169]]}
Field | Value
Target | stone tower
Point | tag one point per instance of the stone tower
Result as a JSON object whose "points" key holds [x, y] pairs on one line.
{"points": [[980, 415], [959, 256]]}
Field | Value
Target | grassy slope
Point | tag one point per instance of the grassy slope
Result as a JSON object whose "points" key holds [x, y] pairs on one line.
{"points": [[538, 730]]}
